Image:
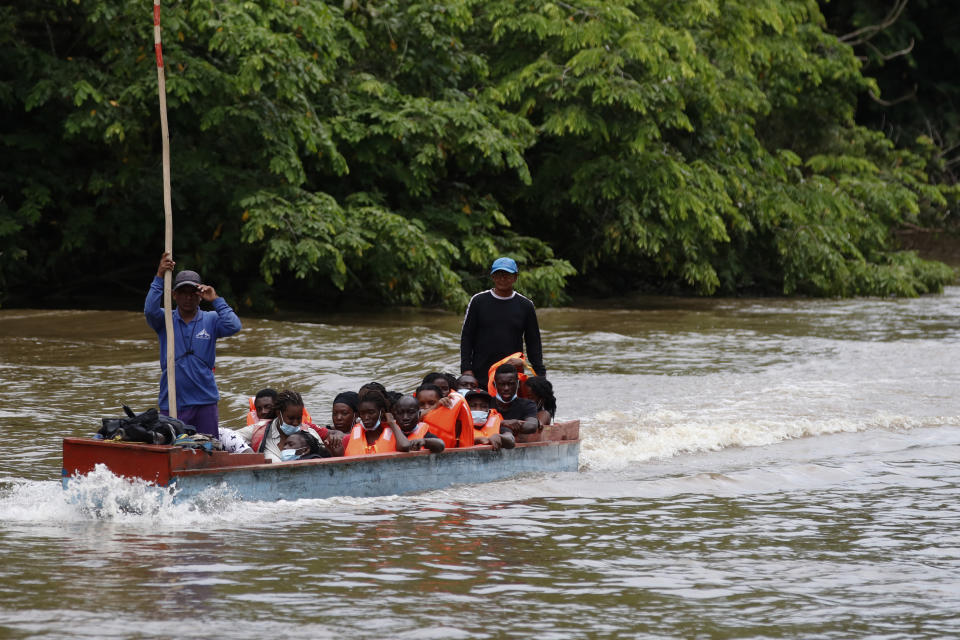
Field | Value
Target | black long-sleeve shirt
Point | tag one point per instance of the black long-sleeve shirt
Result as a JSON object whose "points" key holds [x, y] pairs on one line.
{"points": [[493, 328]]}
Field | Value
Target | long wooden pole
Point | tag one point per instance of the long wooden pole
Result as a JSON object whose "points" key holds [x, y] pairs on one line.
{"points": [[168, 217]]}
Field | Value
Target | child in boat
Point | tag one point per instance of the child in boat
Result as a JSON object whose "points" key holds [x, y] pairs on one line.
{"points": [[438, 380], [488, 423], [377, 431], [300, 446], [467, 383], [407, 412], [344, 413], [540, 391], [449, 418]]}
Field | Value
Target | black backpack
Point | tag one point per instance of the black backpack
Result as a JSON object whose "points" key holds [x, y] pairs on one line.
{"points": [[149, 427]]}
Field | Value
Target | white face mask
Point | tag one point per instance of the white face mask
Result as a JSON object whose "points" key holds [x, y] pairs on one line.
{"points": [[507, 401], [374, 427], [463, 392], [288, 429], [288, 454], [479, 417]]}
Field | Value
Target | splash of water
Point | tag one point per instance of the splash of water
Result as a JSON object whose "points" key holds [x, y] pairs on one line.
{"points": [[103, 496]]}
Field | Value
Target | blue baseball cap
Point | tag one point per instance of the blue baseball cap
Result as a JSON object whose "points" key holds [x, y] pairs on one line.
{"points": [[504, 264]]}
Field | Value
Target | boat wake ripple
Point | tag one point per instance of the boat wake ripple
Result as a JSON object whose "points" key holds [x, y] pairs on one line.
{"points": [[613, 440]]}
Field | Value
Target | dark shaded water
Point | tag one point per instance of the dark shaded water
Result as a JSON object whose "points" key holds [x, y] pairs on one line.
{"points": [[749, 469]]}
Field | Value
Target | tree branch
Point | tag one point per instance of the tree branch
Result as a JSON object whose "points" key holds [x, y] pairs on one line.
{"points": [[864, 34], [890, 56], [890, 103]]}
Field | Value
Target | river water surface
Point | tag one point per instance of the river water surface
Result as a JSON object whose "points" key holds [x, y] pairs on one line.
{"points": [[749, 468]]}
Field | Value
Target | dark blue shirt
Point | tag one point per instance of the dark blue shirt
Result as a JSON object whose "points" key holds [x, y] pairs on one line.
{"points": [[194, 347]]}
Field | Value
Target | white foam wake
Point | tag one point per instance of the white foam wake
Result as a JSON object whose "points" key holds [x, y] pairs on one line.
{"points": [[614, 439], [101, 495]]}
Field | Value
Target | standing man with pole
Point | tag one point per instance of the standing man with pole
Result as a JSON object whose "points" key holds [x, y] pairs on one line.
{"points": [[195, 332], [187, 354], [497, 323]]}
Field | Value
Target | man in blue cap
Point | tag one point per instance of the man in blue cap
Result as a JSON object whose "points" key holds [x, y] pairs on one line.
{"points": [[196, 332], [498, 322]]}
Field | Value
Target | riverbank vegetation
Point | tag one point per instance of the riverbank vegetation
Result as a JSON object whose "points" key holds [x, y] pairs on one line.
{"points": [[389, 150]]}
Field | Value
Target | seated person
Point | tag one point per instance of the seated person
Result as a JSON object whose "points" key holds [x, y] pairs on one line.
{"points": [[451, 381], [377, 431], [232, 442], [344, 414], [438, 380], [300, 446], [488, 423], [449, 418], [407, 412], [541, 392], [519, 414], [267, 437], [466, 383], [522, 367], [263, 407]]}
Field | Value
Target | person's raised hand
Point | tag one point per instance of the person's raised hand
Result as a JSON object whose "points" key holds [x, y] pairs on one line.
{"points": [[166, 264], [207, 293]]}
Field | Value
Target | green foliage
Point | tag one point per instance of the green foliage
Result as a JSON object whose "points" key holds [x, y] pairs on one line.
{"points": [[391, 150]]}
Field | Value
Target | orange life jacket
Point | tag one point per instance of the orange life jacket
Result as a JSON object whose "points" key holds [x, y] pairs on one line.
{"points": [[258, 434], [253, 419], [418, 431], [521, 377], [357, 445], [491, 426], [443, 423]]}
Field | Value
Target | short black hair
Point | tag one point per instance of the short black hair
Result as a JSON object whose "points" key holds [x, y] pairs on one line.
{"points": [[505, 368], [266, 393], [430, 377], [429, 387]]}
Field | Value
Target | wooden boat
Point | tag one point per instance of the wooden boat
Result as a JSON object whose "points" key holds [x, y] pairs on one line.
{"points": [[188, 472]]}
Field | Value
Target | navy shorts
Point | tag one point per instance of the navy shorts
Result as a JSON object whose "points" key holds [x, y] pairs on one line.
{"points": [[205, 417]]}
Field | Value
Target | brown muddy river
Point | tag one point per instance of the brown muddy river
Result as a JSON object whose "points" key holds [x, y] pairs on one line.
{"points": [[749, 468]]}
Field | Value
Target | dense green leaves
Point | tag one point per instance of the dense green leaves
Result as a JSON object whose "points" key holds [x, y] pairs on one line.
{"points": [[390, 150]]}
